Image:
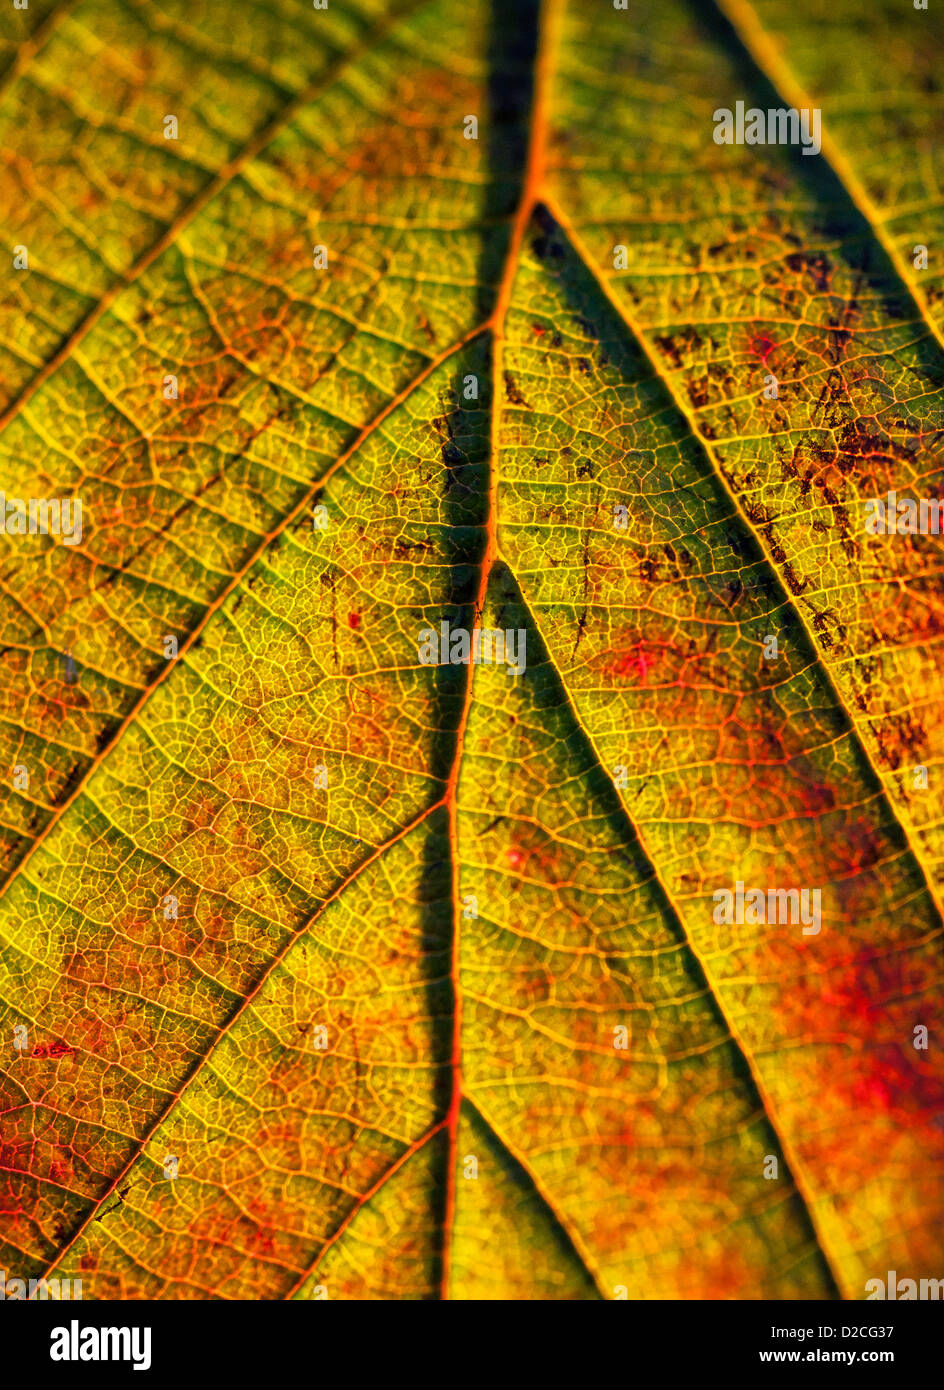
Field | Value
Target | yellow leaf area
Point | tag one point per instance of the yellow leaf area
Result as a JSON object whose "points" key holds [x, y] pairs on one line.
{"points": [[443, 1006]]}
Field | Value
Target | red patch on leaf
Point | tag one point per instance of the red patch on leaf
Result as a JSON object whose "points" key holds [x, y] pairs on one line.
{"points": [[762, 346], [53, 1049], [634, 662]]}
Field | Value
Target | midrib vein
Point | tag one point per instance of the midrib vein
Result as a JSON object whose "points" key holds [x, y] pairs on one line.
{"points": [[532, 177]]}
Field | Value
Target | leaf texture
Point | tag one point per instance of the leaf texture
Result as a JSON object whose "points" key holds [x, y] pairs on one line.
{"points": [[378, 1035]]}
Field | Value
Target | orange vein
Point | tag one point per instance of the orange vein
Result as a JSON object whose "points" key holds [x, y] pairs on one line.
{"points": [[572, 1236], [224, 1031], [34, 42], [531, 182], [803, 1184], [899, 811], [766, 56], [228, 589], [249, 151], [368, 1196]]}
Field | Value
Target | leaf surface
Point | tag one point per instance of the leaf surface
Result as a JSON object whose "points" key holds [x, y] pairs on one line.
{"points": [[461, 1023]]}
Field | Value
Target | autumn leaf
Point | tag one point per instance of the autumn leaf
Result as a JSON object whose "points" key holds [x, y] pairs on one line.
{"points": [[335, 967]]}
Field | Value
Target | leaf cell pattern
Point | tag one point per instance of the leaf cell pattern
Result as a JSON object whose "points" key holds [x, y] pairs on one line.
{"points": [[442, 1008]]}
